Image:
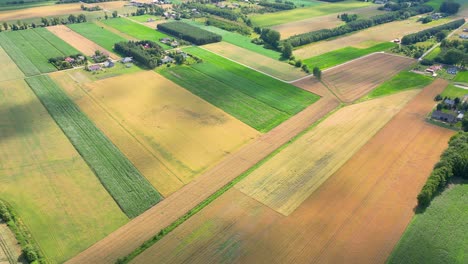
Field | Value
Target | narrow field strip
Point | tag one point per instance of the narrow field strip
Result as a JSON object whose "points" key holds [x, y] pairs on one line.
{"points": [[97, 34], [57, 42], [15, 53], [10, 70], [128, 187]]}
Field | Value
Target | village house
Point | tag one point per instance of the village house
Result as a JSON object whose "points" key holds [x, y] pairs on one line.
{"points": [[463, 36], [444, 117], [94, 67], [109, 63], [460, 116], [449, 102], [167, 59], [452, 70], [126, 60]]}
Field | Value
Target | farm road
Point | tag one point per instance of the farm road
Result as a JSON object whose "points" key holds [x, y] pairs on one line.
{"points": [[130, 236]]}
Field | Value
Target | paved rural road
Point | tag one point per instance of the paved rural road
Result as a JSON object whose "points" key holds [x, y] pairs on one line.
{"points": [[130, 236], [438, 44]]}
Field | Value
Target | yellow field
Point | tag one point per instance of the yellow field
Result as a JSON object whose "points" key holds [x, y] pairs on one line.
{"points": [[9, 69], [257, 61], [46, 181], [286, 180], [381, 33], [169, 134]]}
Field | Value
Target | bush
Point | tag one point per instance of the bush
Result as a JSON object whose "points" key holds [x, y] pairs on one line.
{"points": [[189, 33]]}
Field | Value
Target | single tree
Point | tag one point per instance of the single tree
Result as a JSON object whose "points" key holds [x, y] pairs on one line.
{"points": [[114, 14], [286, 51], [317, 72]]}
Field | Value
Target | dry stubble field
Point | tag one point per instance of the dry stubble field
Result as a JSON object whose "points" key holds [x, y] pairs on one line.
{"points": [[169, 134], [354, 217], [84, 45], [257, 61], [129, 237], [373, 35], [9, 69], [357, 78], [287, 179], [46, 181]]}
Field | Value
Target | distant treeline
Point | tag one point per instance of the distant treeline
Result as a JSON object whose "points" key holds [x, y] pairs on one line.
{"points": [[228, 25], [146, 53], [190, 33], [453, 163], [278, 5], [322, 34], [224, 13], [84, 1], [430, 32]]}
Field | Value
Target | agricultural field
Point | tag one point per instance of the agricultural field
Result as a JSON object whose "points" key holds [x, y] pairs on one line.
{"points": [[343, 55], [79, 42], [357, 78], [452, 91], [136, 30], [462, 77], [42, 11], [9, 69], [321, 22], [437, 235], [277, 18], [433, 54], [256, 61], [31, 49], [146, 123], [4, 6], [285, 181], [256, 99], [98, 35], [10, 250], [132, 192], [237, 39], [402, 81], [356, 216], [367, 37], [46, 181]]}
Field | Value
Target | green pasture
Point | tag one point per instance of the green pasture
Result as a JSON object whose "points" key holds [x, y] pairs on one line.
{"points": [[402, 81], [452, 91], [97, 34], [462, 77]]}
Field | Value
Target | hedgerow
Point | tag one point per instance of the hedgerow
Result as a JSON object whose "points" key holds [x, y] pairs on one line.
{"points": [[430, 32], [189, 33]]}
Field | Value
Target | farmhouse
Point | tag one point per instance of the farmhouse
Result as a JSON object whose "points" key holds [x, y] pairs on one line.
{"points": [[94, 67], [167, 59], [109, 64], [463, 36], [452, 70], [448, 118], [460, 116], [449, 102], [127, 60]]}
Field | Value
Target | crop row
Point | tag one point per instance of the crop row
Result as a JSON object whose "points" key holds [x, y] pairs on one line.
{"points": [[132, 192], [25, 65]]}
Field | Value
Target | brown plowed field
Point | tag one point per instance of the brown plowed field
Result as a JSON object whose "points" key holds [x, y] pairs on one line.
{"points": [[352, 80], [86, 46], [357, 216], [140, 229]]}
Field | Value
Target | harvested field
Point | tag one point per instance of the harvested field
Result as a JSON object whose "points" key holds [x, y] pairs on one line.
{"points": [[148, 122], [254, 60], [132, 192], [381, 33], [315, 23], [10, 250], [46, 181], [357, 216], [357, 78], [287, 179], [79, 42], [142, 228], [9, 69]]}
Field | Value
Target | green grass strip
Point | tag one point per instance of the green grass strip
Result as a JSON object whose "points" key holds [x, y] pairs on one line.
{"points": [[343, 55], [132, 192], [402, 81], [147, 244], [57, 42], [97, 34], [462, 77], [25, 65]]}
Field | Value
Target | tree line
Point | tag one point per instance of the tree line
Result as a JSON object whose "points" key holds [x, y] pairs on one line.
{"points": [[228, 25], [224, 13], [145, 53], [322, 34], [277, 5], [189, 33], [453, 163], [426, 34], [45, 22]]}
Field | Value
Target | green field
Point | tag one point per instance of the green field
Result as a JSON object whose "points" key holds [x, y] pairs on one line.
{"points": [[27, 4], [256, 99], [433, 53], [452, 91], [97, 34], [144, 18], [37, 46], [132, 192], [439, 235], [400, 82], [136, 30], [237, 39], [343, 55], [462, 77], [277, 18]]}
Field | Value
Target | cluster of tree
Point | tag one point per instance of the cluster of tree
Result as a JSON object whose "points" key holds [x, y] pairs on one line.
{"points": [[224, 13], [453, 163], [148, 9], [457, 105], [430, 32], [269, 38], [332, 1], [29, 248], [277, 5], [453, 52], [190, 33], [45, 22], [228, 25], [90, 9], [99, 56], [322, 34], [62, 63], [425, 19], [145, 53], [449, 7], [347, 17], [413, 51]]}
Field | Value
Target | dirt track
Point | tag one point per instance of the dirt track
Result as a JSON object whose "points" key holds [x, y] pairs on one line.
{"points": [[357, 216], [127, 238]]}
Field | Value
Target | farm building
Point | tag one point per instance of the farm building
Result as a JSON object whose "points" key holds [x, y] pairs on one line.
{"points": [[167, 59], [94, 67], [460, 116], [127, 60], [463, 36], [109, 64], [448, 118], [449, 102], [452, 70]]}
